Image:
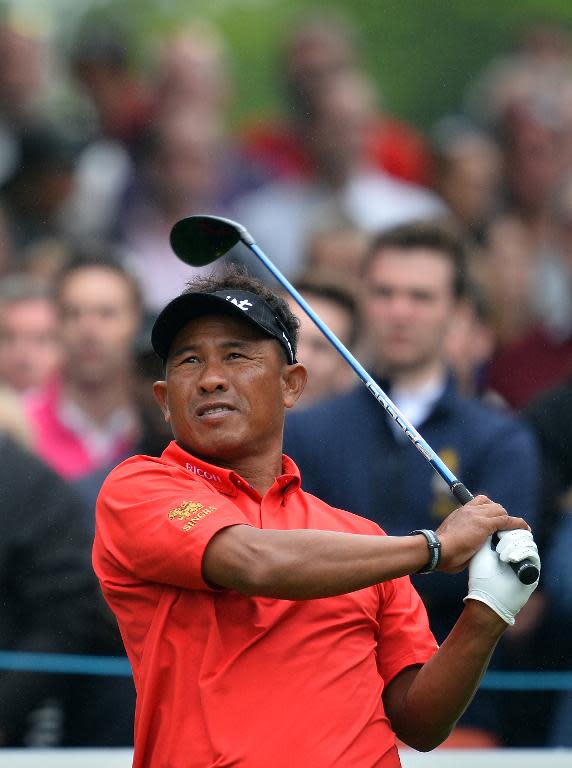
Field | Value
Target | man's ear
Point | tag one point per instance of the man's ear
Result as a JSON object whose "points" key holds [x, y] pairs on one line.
{"points": [[294, 380], [160, 392]]}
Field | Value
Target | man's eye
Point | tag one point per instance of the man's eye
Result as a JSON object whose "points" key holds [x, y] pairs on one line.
{"points": [[234, 355], [380, 292], [422, 297], [190, 359]]}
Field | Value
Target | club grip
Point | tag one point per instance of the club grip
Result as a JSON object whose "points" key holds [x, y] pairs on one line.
{"points": [[461, 493], [526, 571]]}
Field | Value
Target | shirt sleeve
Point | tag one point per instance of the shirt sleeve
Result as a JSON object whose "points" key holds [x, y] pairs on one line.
{"points": [[404, 634], [154, 523]]}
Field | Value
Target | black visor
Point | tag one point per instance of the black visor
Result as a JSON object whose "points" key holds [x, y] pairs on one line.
{"points": [[189, 306]]}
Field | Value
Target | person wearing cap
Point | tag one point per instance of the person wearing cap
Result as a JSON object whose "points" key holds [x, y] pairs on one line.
{"points": [[264, 627]]}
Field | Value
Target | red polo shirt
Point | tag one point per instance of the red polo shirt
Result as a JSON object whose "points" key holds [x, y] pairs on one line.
{"points": [[228, 680]]}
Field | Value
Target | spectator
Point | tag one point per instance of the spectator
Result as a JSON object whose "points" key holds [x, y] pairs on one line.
{"points": [[29, 344], [414, 277], [467, 173], [48, 594], [525, 101], [21, 74], [45, 259], [339, 248], [6, 249], [559, 591], [529, 366], [108, 720], [284, 216], [190, 168], [100, 61], [13, 421], [113, 118], [35, 194], [550, 416], [505, 269], [154, 432], [553, 275], [470, 343], [547, 645], [318, 48], [194, 71], [545, 40], [24, 77], [337, 302], [540, 356], [532, 139], [86, 417]]}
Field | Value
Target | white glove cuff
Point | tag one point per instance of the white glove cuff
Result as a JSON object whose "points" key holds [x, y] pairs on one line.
{"points": [[483, 597]]}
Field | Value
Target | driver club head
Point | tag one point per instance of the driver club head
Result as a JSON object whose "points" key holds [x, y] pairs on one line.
{"points": [[199, 240]]}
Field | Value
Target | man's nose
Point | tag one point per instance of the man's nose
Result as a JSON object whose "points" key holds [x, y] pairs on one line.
{"points": [[400, 307], [213, 377]]}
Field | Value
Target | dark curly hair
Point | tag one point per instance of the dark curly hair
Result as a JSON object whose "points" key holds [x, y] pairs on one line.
{"points": [[424, 234], [236, 277]]}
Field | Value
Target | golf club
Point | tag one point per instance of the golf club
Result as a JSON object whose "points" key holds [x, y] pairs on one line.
{"points": [[200, 240]]}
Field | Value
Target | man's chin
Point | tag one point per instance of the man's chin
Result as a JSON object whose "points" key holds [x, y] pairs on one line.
{"points": [[92, 378], [400, 365], [218, 450]]}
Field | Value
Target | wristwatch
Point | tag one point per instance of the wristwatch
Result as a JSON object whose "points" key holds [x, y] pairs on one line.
{"points": [[434, 546]]}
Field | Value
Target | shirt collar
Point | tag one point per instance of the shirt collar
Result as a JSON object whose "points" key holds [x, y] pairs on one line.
{"points": [[228, 481], [417, 404], [290, 480], [443, 405]]}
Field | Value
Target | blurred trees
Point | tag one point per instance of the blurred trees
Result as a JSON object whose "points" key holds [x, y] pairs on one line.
{"points": [[422, 53]]}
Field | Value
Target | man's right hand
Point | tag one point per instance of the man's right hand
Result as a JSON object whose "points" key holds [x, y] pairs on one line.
{"points": [[465, 530]]}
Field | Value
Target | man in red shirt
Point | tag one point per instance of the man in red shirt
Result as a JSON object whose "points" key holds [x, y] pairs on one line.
{"points": [[264, 627]]}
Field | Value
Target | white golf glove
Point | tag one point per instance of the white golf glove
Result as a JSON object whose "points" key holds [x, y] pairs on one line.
{"points": [[492, 580]]}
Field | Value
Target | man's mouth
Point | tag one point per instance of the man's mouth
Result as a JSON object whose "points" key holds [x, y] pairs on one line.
{"points": [[214, 409]]}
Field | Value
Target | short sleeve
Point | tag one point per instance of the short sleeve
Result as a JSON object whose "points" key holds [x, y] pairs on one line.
{"points": [[404, 634], [154, 522]]}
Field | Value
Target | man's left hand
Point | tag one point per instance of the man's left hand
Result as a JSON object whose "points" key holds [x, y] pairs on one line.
{"points": [[491, 579]]}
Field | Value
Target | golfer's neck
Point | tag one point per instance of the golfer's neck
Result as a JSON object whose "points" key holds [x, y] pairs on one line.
{"points": [[260, 478], [259, 471]]}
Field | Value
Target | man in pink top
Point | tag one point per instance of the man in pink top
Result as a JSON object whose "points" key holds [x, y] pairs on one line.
{"points": [[85, 418]]}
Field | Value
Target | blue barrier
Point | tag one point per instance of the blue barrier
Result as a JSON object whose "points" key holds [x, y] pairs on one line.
{"points": [[527, 681], [65, 663], [118, 666]]}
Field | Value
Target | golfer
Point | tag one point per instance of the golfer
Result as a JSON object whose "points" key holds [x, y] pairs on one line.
{"points": [[265, 628]]}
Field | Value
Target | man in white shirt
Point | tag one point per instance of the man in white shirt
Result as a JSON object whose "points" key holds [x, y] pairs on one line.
{"points": [[344, 187]]}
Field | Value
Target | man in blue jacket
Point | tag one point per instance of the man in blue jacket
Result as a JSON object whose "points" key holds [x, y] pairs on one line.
{"points": [[353, 456]]}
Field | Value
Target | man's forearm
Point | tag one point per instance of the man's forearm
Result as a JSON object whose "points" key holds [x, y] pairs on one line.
{"points": [[307, 564], [424, 707]]}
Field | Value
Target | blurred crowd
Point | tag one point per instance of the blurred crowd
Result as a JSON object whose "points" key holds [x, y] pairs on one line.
{"points": [[90, 186]]}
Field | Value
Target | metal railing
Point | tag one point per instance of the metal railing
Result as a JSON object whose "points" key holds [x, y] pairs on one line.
{"points": [[118, 666]]}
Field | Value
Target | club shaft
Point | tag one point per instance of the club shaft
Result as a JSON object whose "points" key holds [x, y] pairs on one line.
{"points": [[526, 571], [373, 387]]}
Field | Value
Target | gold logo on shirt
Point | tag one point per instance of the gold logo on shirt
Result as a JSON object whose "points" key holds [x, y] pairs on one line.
{"points": [[185, 510], [192, 511]]}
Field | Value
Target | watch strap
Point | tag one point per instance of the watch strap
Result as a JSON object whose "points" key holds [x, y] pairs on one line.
{"points": [[434, 547]]}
